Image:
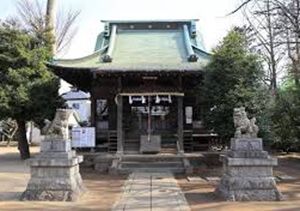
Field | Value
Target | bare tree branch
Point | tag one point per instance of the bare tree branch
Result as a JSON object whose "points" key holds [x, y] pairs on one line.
{"points": [[261, 16], [33, 16], [239, 7]]}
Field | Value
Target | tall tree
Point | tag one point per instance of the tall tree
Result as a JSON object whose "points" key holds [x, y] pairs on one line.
{"points": [[287, 25], [262, 18], [286, 117], [41, 19], [290, 23], [28, 91], [38, 38], [233, 78], [50, 23]]}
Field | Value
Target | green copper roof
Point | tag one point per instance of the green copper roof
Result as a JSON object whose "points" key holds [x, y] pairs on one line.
{"points": [[145, 49]]}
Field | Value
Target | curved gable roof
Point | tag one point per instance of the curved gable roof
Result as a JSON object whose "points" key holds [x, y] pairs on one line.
{"points": [[144, 46]]}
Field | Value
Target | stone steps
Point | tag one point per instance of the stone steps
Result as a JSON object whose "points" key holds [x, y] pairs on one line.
{"points": [[169, 150], [152, 158], [151, 163], [159, 170], [133, 164]]}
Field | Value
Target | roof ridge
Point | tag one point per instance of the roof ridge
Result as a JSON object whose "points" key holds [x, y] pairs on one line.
{"points": [[149, 20]]}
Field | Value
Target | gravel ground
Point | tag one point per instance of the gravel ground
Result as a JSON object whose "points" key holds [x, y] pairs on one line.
{"points": [[105, 190], [200, 194]]}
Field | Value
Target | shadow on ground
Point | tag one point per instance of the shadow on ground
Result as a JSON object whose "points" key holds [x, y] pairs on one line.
{"points": [[105, 190]]}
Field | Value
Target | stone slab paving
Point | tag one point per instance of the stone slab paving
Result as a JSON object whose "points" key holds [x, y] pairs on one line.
{"points": [[151, 191]]}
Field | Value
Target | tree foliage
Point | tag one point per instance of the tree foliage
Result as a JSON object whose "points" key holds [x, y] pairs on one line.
{"points": [[277, 24], [286, 118], [28, 91], [233, 78]]}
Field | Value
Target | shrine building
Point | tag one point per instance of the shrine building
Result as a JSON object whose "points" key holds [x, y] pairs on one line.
{"points": [[142, 78]]}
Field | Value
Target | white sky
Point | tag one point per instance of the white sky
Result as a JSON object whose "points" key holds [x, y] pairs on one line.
{"points": [[213, 23]]}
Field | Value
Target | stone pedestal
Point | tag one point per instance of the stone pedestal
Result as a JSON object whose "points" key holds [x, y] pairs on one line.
{"points": [[152, 146], [54, 173], [248, 173]]}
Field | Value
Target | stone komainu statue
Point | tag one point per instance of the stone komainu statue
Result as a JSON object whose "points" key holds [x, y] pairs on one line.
{"points": [[59, 127], [245, 128]]}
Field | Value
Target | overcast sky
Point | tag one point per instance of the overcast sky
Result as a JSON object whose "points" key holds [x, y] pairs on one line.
{"points": [[213, 22]]}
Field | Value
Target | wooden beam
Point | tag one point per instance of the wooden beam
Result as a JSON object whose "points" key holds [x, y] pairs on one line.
{"points": [[152, 93]]}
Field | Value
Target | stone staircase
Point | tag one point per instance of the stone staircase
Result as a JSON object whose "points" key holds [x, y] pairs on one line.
{"points": [[150, 163], [112, 141], [131, 146]]}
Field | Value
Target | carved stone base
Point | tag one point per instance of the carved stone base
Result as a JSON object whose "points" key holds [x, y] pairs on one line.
{"points": [[248, 173], [249, 195], [248, 189], [51, 195], [55, 174]]}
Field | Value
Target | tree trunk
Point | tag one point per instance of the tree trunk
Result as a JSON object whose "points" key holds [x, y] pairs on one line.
{"points": [[272, 48], [23, 146], [297, 29], [50, 23]]}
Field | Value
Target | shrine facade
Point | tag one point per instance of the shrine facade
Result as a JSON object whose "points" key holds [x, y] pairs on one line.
{"points": [[141, 77]]}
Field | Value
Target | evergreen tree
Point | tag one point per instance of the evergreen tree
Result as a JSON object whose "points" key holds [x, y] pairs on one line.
{"points": [[233, 78], [28, 91], [286, 117]]}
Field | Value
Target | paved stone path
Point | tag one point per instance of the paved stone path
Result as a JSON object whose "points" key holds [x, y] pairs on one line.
{"points": [[151, 191]]}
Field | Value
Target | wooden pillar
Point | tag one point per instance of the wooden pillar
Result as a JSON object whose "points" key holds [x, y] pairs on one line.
{"points": [[149, 128], [112, 111], [180, 124], [120, 147], [140, 121], [120, 124], [93, 111], [93, 92]]}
